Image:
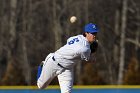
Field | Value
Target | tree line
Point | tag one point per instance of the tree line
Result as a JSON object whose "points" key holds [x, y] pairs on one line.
{"points": [[31, 29]]}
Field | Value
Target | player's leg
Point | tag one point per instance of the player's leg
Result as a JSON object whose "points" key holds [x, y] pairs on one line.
{"points": [[43, 63], [66, 80], [47, 74]]}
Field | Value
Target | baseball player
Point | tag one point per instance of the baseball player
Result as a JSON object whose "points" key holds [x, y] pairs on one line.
{"points": [[61, 62]]}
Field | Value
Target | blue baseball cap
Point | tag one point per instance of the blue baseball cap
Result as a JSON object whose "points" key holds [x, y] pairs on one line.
{"points": [[91, 28]]}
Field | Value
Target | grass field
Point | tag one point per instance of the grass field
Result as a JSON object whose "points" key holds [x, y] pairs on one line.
{"points": [[76, 89]]}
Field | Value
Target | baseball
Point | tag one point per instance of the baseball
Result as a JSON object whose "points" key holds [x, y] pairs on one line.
{"points": [[73, 19]]}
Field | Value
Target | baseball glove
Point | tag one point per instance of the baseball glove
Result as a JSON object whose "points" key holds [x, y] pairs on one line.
{"points": [[94, 47]]}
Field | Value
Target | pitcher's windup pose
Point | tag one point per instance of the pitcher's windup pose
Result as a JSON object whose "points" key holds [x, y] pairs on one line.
{"points": [[61, 62]]}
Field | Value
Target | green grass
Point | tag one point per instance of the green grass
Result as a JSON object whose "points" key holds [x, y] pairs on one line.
{"points": [[77, 87]]}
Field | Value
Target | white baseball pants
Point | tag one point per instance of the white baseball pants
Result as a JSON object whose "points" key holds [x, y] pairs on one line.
{"points": [[50, 70]]}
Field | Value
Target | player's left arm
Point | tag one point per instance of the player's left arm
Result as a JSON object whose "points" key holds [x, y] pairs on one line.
{"points": [[84, 53], [90, 55], [90, 59]]}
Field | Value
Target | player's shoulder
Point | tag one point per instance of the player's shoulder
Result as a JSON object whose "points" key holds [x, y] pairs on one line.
{"points": [[76, 36], [84, 41], [80, 39]]}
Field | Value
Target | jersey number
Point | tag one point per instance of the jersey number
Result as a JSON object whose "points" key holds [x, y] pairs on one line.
{"points": [[73, 40]]}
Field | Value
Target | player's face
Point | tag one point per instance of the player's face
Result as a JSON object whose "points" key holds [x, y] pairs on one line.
{"points": [[91, 37]]}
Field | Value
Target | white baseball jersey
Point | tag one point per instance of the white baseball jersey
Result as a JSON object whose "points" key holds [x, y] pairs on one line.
{"points": [[77, 48]]}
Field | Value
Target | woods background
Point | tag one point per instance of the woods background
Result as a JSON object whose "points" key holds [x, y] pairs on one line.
{"points": [[31, 29]]}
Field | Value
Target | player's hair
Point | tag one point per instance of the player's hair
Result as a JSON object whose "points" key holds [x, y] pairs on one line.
{"points": [[84, 34]]}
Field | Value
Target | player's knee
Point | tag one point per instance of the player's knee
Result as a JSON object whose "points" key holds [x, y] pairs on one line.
{"points": [[40, 85]]}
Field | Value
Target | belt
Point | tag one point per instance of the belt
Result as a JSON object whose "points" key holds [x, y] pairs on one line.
{"points": [[57, 63]]}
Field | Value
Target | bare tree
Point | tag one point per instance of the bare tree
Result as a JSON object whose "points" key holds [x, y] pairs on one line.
{"points": [[116, 47], [56, 26], [135, 41], [24, 60], [12, 38], [122, 41]]}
